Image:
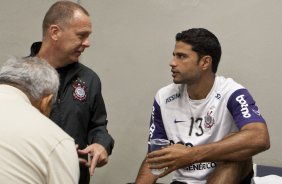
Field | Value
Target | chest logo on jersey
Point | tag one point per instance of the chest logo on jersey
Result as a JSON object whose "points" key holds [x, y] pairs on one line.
{"points": [[79, 90], [172, 97], [209, 121]]}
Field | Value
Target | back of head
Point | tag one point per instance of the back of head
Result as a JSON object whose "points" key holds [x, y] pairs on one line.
{"points": [[203, 42], [34, 76], [61, 13]]}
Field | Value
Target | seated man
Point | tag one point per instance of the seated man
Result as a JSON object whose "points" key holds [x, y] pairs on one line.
{"points": [[33, 149], [212, 122]]}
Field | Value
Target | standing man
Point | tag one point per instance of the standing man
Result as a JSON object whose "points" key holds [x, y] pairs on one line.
{"points": [[79, 109], [212, 122], [32, 148]]}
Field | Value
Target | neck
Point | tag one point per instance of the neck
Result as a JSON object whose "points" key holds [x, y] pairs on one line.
{"points": [[201, 89], [47, 52]]}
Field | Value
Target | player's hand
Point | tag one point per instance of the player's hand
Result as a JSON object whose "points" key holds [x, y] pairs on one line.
{"points": [[171, 158]]}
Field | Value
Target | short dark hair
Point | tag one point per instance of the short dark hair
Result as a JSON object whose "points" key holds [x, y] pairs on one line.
{"points": [[61, 13], [203, 42]]}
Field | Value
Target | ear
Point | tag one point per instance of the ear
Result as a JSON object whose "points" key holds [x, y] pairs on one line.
{"points": [[206, 62], [45, 105], [55, 32]]}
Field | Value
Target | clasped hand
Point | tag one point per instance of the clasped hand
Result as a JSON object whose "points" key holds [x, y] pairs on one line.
{"points": [[172, 158]]}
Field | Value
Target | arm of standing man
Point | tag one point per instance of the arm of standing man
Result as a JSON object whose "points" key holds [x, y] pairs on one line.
{"points": [[100, 141]]}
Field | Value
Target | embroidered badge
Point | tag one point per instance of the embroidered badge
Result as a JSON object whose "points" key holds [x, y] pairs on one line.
{"points": [[209, 120], [79, 90]]}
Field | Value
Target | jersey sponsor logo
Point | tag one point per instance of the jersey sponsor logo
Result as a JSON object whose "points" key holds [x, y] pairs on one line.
{"points": [[153, 114], [188, 144], [200, 166], [79, 90], [196, 166], [244, 106], [172, 97], [152, 127]]}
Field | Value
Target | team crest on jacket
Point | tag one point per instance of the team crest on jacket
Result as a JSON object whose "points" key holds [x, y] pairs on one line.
{"points": [[79, 90]]}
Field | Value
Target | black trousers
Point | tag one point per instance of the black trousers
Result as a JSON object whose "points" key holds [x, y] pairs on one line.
{"points": [[246, 180], [84, 175]]}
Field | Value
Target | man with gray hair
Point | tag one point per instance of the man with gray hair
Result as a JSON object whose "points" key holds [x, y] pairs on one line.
{"points": [[32, 148]]}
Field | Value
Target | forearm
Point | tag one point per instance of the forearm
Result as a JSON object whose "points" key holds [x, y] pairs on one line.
{"points": [[144, 175], [239, 146], [97, 128], [101, 136]]}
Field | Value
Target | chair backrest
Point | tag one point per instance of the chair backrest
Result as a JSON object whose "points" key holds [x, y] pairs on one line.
{"points": [[263, 170]]}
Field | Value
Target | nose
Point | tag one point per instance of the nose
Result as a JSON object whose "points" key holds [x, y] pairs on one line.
{"points": [[86, 42], [172, 62]]}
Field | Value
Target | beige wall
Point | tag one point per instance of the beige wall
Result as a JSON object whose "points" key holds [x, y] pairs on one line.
{"points": [[131, 48]]}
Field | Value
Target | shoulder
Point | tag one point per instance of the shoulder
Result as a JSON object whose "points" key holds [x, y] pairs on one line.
{"points": [[228, 83], [48, 134], [170, 92], [86, 70], [170, 89], [227, 86], [89, 76], [48, 130]]}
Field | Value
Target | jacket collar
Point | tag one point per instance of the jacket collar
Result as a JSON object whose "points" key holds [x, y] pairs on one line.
{"points": [[67, 73]]}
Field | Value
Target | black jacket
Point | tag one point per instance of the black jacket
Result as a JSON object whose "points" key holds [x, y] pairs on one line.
{"points": [[79, 109]]}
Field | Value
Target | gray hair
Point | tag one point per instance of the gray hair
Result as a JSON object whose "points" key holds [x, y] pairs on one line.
{"points": [[33, 75]]}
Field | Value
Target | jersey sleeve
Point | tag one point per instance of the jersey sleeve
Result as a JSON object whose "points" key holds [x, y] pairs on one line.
{"points": [[243, 108], [63, 164], [157, 130]]}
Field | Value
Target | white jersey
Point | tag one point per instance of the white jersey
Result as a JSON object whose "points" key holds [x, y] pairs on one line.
{"points": [[176, 117]]}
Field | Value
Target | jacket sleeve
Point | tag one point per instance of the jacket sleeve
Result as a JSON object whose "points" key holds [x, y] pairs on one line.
{"points": [[97, 130]]}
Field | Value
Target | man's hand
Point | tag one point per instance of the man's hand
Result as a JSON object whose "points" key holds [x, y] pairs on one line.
{"points": [[98, 156]]}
